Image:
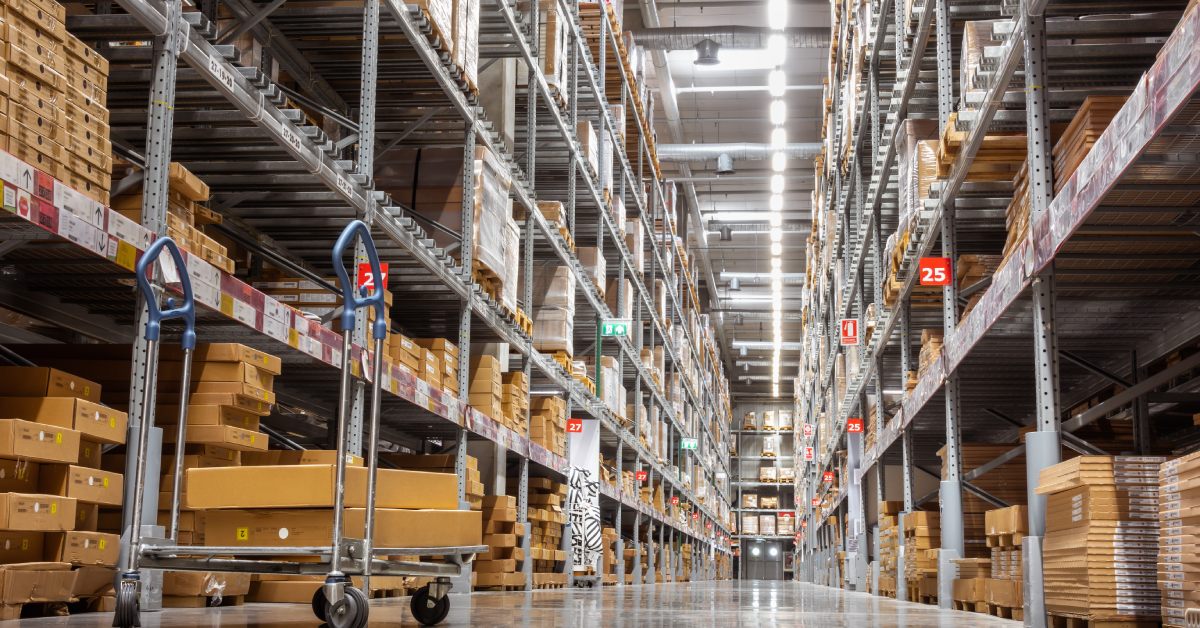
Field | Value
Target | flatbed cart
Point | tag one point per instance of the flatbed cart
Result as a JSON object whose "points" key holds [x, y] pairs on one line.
{"points": [[337, 602]]}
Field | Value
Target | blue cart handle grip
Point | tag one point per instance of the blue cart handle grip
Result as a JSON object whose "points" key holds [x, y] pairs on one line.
{"points": [[351, 300], [186, 311]]}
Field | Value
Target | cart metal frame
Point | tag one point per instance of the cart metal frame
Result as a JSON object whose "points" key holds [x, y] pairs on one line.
{"points": [[337, 602]]}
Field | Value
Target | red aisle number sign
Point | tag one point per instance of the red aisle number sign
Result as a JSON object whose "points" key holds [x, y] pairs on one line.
{"points": [[574, 426], [808, 454], [935, 271], [696, 516], [640, 475], [674, 500], [849, 331], [828, 477], [804, 524], [816, 501], [708, 525], [366, 279], [854, 426]]}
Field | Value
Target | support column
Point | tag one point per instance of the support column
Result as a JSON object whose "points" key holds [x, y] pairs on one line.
{"points": [[1042, 448]]}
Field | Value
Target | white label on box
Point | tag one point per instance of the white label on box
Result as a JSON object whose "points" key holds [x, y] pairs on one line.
{"points": [[337, 355], [275, 329], [202, 271], [73, 202], [82, 233], [166, 262], [16, 172], [128, 230], [244, 313], [273, 309], [206, 294]]}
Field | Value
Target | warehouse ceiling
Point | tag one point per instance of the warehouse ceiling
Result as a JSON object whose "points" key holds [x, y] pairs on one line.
{"points": [[724, 103]]}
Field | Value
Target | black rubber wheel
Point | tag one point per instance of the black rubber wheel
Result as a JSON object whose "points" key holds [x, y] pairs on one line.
{"points": [[424, 613], [318, 603], [128, 611], [350, 612]]}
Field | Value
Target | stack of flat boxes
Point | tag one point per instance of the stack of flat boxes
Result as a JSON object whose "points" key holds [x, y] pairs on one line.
{"points": [[487, 388], [969, 589], [1100, 553], [1179, 538], [186, 194], [922, 537], [608, 558], [502, 533], [546, 519], [1005, 528], [515, 405], [446, 354], [889, 545], [287, 505], [444, 463], [53, 92], [548, 423], [53, 486]]}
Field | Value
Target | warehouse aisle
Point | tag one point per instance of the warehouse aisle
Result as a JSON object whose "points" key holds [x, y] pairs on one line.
{"points": [[729, 603]]}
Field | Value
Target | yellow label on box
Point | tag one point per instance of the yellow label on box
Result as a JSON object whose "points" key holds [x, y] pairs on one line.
{"points": [[103, 543], [226, 304], [104, 482], [126, 255], [243, 534], [54, 508], [58, 438]]}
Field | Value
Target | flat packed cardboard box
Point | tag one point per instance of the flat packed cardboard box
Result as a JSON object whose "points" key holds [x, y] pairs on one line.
{"points": [[31, 381], [23, 583], [18, 476], [44, 513], [83, 548], [92, 486], [223, 435], [205, 583], [290, 457], [21, 547], [90, 419], [308, 527], [208, 415], [312, 486], [38, 442], [93, 581]]}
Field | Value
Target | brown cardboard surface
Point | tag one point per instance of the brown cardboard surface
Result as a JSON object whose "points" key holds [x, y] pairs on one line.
{"points": [[23, 583], [34, 512], [92, 486], [83, 548], [91, 420], [92, 581], [208, 415], [304, 456], [18, 476], [32, 381], [283, 591], [205, 583], [234, 352], [89, 453], [87, 517], [247, 403], [303, 527], [21, 547], [292, 486], [227, 436], [38, 442], [235, 388]]}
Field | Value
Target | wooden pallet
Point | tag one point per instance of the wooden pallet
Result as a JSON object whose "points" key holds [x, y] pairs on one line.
{"points": [[972, 607], [928, 599], [563, 359], [1011, 539], [1075, 621], [522, 320], [567, 236], [1005, 612], [488, 280]]}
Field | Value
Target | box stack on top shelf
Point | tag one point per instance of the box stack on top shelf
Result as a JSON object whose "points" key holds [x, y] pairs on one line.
{"points": [[1102, 511], [53, 486]]}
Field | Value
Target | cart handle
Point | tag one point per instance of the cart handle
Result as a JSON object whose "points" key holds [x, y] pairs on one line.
{"points": [[156, 315], [352, 302]]}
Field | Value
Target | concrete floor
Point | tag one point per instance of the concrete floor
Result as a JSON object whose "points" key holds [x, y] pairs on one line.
{"points": [[726, 604]]}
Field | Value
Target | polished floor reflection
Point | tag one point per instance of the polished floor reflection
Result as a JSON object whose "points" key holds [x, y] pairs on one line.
{"points": [[725, 604]]}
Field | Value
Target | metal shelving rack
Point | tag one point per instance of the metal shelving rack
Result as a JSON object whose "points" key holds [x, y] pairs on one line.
{"points": [[1086, 299], [286, 186], [746, 460]]}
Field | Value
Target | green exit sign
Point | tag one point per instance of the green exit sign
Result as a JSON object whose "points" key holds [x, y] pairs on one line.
{"points": [[614, 327], [688, 444]]}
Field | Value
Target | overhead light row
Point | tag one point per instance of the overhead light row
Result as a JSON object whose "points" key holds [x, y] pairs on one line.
{"points": [[777, 15]]}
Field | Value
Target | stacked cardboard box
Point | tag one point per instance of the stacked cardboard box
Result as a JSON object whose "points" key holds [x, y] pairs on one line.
{"points": [[554, 309], [444, 463], [548, 423], [446, 354], [515, 402], [608, 558], [186, 210], [501, 566], [969, 589], [1006, 482], [931, 349], [52, 487], [1101, 511], [922, 537], [889, 545], [487, 386], [546, 519], [53, 92], [1004, 589], [1179, 538]]}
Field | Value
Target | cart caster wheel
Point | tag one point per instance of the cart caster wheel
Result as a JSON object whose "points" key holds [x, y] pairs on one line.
{"points": [[319, 604], [351, 612], [127, 613], [426, 613]]}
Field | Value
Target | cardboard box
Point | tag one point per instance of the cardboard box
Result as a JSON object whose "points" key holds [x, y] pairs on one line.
{"points": [[309, 527], [32, 381], [89, 453], [91, 486], [291, 457], [38, 442], [18, 476], [33, 512], [233, 372], [293, 486], [24, 583], [208, 415], [235, 388], [283, 591], [205, 583], [222, 435], [83, 548], [90, 419], [21, 546], [92, 581]]}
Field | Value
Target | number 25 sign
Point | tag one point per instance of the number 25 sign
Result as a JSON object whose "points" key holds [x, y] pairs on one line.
{"points": [[935, 271]]}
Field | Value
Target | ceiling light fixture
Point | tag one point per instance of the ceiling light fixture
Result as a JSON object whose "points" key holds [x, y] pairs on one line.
{"points": [[707, 52], [775, 219], [777, 184], [777, 13], [777, 49], [776, 83], [778, 138], [778, 112], [777, 249], [778, 161], [776, 202]]}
